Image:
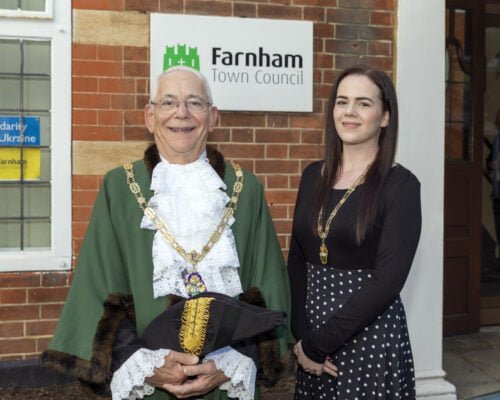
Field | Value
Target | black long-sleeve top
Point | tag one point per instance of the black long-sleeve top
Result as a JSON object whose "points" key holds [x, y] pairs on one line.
{"points": [[387, 251]]}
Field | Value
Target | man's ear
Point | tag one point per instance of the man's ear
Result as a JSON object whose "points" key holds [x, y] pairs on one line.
{"points": [[149, 118], [212, 118]]}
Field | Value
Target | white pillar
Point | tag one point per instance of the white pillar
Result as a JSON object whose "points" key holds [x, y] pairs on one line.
{"points": [[420, 82]]}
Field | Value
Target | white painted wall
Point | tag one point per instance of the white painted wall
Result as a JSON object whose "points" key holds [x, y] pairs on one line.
{"points": [[420, 84]]}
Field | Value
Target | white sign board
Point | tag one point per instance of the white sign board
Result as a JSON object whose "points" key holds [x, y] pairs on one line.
{"points": [[251, 64]]}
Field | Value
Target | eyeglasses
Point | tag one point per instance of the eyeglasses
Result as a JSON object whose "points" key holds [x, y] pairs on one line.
{"points": [[193, 105]]}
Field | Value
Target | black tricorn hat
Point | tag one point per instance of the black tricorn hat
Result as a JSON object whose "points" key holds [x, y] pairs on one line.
{"points": [[208, 322]]}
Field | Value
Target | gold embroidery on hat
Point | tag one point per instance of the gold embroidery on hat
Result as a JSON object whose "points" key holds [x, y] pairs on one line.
{"points": [[194, 323]]}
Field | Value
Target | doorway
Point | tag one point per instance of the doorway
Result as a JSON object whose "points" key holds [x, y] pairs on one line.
{"points": [[490, 235]]}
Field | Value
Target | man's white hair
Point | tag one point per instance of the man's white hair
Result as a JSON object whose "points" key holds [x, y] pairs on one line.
{"points": [[198, 74]]}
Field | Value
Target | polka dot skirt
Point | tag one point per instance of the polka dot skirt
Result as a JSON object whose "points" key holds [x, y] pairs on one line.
{"points": [[376, 363]]}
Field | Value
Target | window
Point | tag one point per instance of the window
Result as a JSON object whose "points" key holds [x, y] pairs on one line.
{"points": [[35, 135]]}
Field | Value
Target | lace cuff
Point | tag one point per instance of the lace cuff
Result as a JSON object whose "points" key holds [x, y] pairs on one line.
{"points": [[129, 380], [240, 368]]}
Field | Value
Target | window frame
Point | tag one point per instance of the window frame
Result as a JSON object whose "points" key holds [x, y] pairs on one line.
{"points": [[58, 32], [47, 14]]}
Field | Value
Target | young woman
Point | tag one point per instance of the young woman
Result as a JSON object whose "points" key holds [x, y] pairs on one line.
{"points": [[355, 232]]}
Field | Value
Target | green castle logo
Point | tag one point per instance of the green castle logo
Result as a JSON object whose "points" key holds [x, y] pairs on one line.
{"points": [[177, 55]]}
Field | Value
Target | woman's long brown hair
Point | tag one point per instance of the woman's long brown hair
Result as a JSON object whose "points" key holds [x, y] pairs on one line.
{"points": [[370, 190]]}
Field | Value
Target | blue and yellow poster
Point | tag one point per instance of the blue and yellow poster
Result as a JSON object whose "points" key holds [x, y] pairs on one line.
{"points": [[19, 147]]}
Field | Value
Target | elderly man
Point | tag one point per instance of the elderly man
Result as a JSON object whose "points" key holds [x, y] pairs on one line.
{"points": [[179, 222]]}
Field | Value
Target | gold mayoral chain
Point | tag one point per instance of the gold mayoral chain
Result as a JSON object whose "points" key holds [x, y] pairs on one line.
{"points": [[193, 280], [323, 232]]}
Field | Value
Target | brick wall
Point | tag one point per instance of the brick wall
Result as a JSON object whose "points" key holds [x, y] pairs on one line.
{"points": [[110, 85]]}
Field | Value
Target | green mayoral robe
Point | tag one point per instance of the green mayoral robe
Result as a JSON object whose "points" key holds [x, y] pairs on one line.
{"points": [[116, 257]]}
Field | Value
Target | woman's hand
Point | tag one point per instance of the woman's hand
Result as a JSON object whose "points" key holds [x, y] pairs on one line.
{"points": [[311, 366]]}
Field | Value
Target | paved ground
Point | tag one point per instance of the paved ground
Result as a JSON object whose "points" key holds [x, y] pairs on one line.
{"points": [[473, 362]]}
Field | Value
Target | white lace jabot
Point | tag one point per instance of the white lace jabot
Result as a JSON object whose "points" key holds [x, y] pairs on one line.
{"points": [[190, 199]]}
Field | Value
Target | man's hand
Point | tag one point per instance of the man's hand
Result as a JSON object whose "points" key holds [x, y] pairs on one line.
{"points": [[311, 366], [207, 378], [172, 372]]}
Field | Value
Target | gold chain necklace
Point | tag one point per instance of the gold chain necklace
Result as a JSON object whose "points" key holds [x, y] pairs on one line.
{"points": [[193, 280], [323, 232]]}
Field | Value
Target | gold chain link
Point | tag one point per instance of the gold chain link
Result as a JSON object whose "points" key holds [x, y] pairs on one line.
{"points": [[192, 257]]}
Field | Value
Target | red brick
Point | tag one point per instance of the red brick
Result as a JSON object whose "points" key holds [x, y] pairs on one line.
{"points": [[306, 151], [314, 14], [281, 196], [136, 69], [277, 211], [318, 45], [277, 182], [295, 181], [325, 3], [306, 121], [378, 4], [283, 240], [97, 133], [134, 53], [345, 46], [383, 63], [273, 166], [242, 119], [42, 344], [207, 7], [85, 182], [244, 10], [14, 346], [84, 117], [249, 165], [123, 101], [12, 296], [110, 5], [39, 328], [275, 120], [141, 5], [84, 84], [110, 117], [242, 135], [116, 85], [323, 30], [323, 61], [18, 313], [50, 279], [97, 68], [376, 32], [381, 18], [19, 279], [141, 101], [311, 136], [51, 311], [142, 86], [111, 53], [219, 135], [239, 151], [277, 136], [133, 117], [343, 61], [283, 226], [84, 198], [91, 100], [81, 214], [79, 229], [276, 151], [137, 133], [347, 31], [172, 6], [380, 48], [84, 51], [278, 12], [348, 16], [11, 329], [47, 295]]}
